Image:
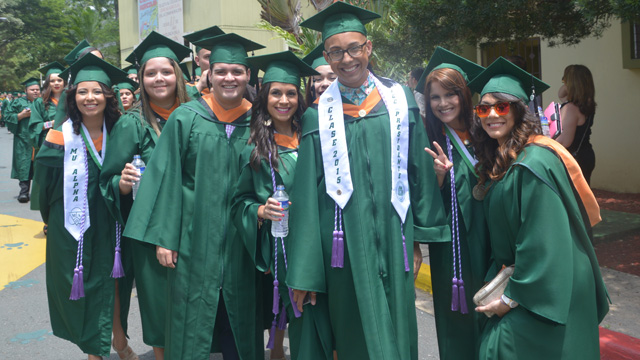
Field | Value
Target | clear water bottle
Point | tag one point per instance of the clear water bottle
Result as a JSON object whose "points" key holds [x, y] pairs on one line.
{"points": [[138, 164], [281, 228], [544, 123]]}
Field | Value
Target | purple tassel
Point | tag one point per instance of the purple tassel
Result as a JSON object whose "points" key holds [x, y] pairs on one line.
{"points": [[406, 259], [272, 334], [282, 321], [296, 312], [117, 271], [276, 297], [455, 304], [77, 288], [463, 298], [334, 250], [340, 260]]}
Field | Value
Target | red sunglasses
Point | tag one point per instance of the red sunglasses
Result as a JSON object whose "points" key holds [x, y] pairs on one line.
{"points": [[502, 108]]}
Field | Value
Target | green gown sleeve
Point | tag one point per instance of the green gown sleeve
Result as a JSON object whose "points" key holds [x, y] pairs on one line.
{"points": [[61, 111], [193, 92], [124, 141], [11, 115], [38, 117], [162, 188]]}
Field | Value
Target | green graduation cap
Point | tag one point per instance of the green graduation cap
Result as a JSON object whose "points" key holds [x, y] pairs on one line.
{"points": [[127, 84], [443, 58], [73, 55], [228, 48], [92, 68], [158, 45], [131, 69], [51, 68], [30, 81], [503, 76], [316, 57], [338, 18], [203, 34], [284, 67]]}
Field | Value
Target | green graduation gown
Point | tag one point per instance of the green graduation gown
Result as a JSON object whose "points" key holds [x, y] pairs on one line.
{"points": [[39, 115], [310, 335], [183, 204], [21, 166], [130, 137], [459, 334], [86, 322], [536, 222], [371, 300]]}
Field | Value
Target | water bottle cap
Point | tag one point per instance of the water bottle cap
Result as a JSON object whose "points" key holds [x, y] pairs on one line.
{"points": [[280, 187], [136, 156]]}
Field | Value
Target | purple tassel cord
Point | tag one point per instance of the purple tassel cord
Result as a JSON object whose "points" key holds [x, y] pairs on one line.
{"points": [[296, 312], [117, 271], [337, 246], [404, 248], [458, 298], [272, 334], [282, 321], [77, 288]]}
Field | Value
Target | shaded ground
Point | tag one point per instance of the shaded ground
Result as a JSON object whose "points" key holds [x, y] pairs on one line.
{"points": [[621, 254]]}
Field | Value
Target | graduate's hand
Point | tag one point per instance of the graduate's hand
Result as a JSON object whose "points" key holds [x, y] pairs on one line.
{"points": [[128, 176], [417, 259], [299, 296], [441, 164], [167, 258], [25, 113], [271, 210], [202, 83], [496, 306]]}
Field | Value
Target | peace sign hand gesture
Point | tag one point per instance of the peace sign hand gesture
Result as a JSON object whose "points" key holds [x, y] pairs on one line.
{"points": [[441, 164]]}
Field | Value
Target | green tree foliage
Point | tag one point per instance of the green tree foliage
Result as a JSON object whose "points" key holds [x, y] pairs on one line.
{"points": [[37, 32]]}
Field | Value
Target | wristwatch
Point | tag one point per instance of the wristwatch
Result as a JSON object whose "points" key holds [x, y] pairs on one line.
{"points": [[509, 302]]}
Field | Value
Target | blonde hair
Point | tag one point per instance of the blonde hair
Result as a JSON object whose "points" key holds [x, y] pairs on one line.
{"points": [[580, 88], [181, 95]]}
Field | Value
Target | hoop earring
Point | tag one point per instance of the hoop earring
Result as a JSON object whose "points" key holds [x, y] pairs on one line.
{"points": [[267, 122]]}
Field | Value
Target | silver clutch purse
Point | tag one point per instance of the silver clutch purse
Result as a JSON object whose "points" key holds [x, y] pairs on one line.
{"points": [[494, 289]]}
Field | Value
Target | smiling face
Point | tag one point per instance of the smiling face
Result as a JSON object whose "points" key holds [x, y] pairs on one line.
{"points": [[159, 80], [321, 82], [445, 105], [90, 99], [228, 83], [127, 97], [56, 83], [282, 103], [496, 126], [351, 71]]}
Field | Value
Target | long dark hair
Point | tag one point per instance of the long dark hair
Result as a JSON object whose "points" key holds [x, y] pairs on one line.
{"points": [[262, 135], [111, 112], [309, 91], [493, 159], [450, 80], [47, 92], [580, 88]]}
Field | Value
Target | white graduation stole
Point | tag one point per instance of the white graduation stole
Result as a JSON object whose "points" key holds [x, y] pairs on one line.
{"points": [[76, 176], [335, 155]]}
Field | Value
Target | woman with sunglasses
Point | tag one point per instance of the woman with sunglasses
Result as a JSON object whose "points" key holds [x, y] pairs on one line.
{"points": [[162, 91], [84, 260], [539, 211], [577, 115], [270, 161], [464, 257]]}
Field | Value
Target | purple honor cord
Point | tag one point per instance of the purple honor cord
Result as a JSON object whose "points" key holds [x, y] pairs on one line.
{"points": [[458, 296], [77, 286], [280, 323], [337, 246]]}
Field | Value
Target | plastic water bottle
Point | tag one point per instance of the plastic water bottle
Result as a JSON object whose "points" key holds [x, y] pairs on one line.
{"points": [[544, 123], [281, 228], [138, 164]]}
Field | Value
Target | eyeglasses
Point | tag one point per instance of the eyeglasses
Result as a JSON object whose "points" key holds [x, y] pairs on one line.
{"points": [[354, 51], [502, 108]]}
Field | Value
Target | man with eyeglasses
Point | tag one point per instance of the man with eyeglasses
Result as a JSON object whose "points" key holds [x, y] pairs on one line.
{"points": [[364, 196]]}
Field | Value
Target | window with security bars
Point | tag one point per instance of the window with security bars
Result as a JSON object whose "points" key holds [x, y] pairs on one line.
{"points": [[526, 52], [635, 41]]}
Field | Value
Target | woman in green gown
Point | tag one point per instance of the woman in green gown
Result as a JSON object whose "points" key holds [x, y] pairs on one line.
{"points": [[136, 133], [270, 161], [85, 305], [465, 257], [539, 212]]}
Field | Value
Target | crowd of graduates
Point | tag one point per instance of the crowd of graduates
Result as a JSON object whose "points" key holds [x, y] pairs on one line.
{"points": [[370, 179]]}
